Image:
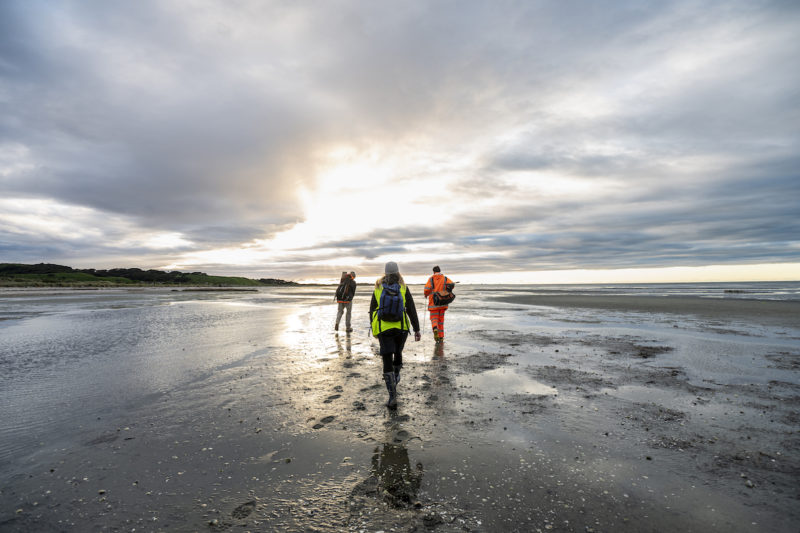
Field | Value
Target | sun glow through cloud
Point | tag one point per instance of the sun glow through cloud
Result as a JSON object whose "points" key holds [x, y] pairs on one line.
{"points": [[548, 143]]}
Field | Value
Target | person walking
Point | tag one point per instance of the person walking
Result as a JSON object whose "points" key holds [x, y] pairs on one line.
{"points": [[390, 311], [344, 297], [437, 283]]}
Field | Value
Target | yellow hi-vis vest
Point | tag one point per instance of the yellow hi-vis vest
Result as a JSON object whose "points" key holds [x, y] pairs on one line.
{"points": [[379, 325]]}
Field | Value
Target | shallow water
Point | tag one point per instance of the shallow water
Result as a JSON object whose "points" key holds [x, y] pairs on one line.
{"points": [[243, 382]]}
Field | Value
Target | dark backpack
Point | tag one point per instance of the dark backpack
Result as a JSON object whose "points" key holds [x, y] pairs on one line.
{"points": [[342, 292], [390, 308], [444, 297]]}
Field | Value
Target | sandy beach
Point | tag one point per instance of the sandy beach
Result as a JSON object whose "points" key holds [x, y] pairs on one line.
{"points": [[158, 411]]}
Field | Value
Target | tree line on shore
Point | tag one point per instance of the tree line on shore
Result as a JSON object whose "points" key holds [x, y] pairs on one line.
{"points": [[51, 274]]}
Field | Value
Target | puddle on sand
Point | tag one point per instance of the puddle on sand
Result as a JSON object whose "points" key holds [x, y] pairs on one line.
{"points": [[506, 381], [643, 394]]}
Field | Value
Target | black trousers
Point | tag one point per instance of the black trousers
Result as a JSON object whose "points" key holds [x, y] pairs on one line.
{"points": [[392, 342]]}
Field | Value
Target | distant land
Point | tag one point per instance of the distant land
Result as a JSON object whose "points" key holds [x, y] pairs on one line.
{"points": [[49, 275]]}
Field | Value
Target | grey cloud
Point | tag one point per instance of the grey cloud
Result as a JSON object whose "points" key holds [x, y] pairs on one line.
{"points": [[205, 122], [206, 147]]}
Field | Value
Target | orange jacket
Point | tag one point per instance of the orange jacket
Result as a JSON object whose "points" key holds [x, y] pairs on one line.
{"points": [[436, 283]]}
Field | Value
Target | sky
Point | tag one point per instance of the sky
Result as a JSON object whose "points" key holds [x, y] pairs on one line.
{"points": [[561, 141]]}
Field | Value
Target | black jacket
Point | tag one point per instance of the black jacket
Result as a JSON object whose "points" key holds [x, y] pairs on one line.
{"points": [[346, 290], [411, 309]]}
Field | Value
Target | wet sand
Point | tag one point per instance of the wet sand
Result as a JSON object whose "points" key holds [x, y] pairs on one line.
{"points": [[776, 312], [532, 416]]}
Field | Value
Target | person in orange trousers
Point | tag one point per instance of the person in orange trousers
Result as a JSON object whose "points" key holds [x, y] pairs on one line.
{"points": [[436, 283]]}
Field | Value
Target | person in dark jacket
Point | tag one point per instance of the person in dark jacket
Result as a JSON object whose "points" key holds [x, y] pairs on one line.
{"points": [[344, 297], [392, 331]]}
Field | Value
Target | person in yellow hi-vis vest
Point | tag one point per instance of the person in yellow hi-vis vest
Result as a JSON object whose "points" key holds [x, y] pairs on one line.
{"points": [[390, 311]]}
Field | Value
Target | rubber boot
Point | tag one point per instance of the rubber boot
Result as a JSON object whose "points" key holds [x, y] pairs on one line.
{"points": [[391, 386], [397, 374], [436, 334]]}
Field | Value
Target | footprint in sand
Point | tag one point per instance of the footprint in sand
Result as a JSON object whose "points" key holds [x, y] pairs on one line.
{"points": [[321, 424], [329, 399], [244, 510]]}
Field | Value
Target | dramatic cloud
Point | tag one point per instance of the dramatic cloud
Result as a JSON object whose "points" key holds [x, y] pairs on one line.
{"points": [[300, 139]]}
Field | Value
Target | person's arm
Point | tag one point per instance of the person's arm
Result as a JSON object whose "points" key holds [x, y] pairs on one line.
{"points": [[354, 288], [411, 310], [428, 291], [373, 305]]}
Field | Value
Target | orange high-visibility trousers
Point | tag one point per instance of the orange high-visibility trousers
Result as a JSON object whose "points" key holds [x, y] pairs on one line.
{"points": [[437, 320]]}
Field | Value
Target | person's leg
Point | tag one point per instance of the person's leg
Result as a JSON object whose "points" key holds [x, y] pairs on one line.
{"points": [[397, 363], [387, 343], [349, 307], [339, 315], [435, 323], [437, 318], [387, 350]]}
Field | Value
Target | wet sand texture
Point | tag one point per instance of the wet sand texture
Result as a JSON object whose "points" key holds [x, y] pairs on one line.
{"points": [[764, 311], [255, 416]]}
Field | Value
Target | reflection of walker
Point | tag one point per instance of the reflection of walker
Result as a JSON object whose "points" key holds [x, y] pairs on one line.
{"points": [[438, 351], [347, 350], [397, 481]]}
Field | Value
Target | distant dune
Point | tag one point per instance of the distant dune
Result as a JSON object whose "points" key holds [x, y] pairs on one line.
{"points": [[50, 275]]}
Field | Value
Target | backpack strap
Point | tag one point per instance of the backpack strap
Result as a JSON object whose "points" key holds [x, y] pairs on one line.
{"points": [[402, 292], [378, 310]]}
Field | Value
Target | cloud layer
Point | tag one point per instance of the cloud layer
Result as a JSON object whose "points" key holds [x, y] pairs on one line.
{"points": [[296, 140]]}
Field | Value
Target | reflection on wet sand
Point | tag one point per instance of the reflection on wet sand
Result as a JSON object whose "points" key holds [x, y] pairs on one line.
{"points": [[438, 351], [397, 482], [437, 383], [345, 351], [392, 478]]}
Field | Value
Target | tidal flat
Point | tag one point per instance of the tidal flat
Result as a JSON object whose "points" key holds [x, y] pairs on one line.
{"points": [[151, 410]]}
